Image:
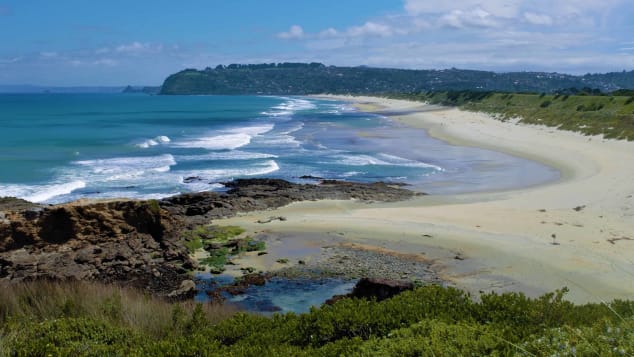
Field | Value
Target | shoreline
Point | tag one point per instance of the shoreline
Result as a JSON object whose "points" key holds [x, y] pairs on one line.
{"points": [[574, 231]]}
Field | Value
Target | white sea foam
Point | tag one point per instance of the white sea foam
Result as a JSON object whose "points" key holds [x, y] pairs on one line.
{"points": [[351, 173], [293, 129], [252, 130], [228, 139], [202, 186], [290, 107], [127, 164], [226, 155], [162, 139], [217, 142], [263, 168], [382, 160], [47, 192], [161, 169], [339, 109], [399, 161], [280, 140]]}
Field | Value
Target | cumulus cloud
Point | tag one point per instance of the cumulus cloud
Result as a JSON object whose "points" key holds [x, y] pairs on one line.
{"points": [[370, 29], [538, 12], [499, 8], [295, 32], [475, 18], [329, 32]]}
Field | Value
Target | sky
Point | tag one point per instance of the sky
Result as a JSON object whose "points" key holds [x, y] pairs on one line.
{"points": [[140, 42]]}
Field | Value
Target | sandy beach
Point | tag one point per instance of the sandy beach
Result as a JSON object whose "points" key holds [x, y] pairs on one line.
{"points": [[577, 231]]}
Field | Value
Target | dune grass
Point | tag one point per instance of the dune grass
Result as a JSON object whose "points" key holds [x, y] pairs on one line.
{"points": [[122, 307], [607, 115]]}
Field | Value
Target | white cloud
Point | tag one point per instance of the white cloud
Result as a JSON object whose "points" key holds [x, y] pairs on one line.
{"points": [[498, 8], [137, 48], [370, 29], [102, 50], [477, 17], [538, 19], [295, 32], [329, 32], [534, 11]]}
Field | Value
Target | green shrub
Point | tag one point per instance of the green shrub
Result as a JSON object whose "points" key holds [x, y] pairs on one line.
{"points": [[430, 320]]}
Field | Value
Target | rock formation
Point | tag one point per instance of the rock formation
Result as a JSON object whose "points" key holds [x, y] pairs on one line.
{"points": [[138, 243]]}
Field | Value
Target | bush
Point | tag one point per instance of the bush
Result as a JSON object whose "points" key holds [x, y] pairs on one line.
{"points": [[430, 320]]}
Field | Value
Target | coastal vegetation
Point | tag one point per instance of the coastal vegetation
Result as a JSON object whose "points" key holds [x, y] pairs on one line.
{"points": [[317, 78], [220, 243], [586, 111], [43, 318]]}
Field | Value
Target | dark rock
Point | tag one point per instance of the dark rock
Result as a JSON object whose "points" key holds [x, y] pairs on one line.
{"points": [[241, 285], [253, 279], [246, 195], [191, 179], [379, 289], [310, 177]]}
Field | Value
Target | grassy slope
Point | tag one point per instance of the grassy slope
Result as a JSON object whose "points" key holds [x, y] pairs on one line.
{"points": [[611, 116]]}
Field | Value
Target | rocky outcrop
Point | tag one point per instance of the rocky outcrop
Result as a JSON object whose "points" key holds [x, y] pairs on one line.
{"points": [[132, 242], [245, 195], [138, 243]]}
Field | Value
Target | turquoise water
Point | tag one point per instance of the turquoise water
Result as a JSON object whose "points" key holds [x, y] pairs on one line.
{"points": [[278, 294], [61, 147]]}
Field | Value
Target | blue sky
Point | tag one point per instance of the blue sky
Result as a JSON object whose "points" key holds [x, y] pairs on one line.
{"points": [[79, 42]]}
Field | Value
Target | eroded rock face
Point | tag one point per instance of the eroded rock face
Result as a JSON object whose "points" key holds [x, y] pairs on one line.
{"points": [[132, 242]]}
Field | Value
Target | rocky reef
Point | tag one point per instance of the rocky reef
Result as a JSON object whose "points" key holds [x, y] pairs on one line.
{"points": [[246, 195], [139, 243]]}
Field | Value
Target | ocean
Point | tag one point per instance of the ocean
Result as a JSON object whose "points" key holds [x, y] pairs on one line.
{"points": [[61, 147]]}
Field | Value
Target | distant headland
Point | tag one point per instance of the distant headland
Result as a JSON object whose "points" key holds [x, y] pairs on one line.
{"points": [[316, 78]]}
